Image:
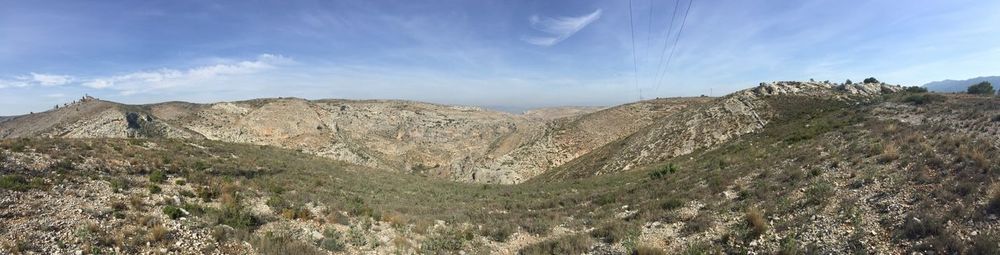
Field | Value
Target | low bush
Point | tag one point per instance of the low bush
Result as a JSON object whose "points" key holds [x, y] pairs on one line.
{"points": [[663, 171], [672, 203], [610, 233], [157, 176], [498, 232], [449, 241], [915, 89], [332, 240], [173, 212], [920, 225], [19, 183], [573, 244], [154, 189], [119, 184]]}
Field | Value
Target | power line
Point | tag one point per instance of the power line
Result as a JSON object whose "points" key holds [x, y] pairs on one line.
{"points": [[635, 60], [672, 48], [666, 39]]}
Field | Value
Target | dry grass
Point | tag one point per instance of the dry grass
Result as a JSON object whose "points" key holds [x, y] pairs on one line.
{"points": [[755, 219], [158, 234], [889, 153]]}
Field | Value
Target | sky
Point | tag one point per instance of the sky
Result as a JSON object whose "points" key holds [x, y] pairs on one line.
{"points": [[500, 54]]}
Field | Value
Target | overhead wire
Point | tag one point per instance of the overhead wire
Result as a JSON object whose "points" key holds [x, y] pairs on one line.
{"points": [[635, 60], [666, 40], [680, 30]]}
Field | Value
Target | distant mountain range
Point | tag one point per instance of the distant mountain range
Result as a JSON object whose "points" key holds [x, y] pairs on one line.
{"points": [[960, 86]]}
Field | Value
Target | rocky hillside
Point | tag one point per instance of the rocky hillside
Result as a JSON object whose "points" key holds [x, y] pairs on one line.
{"points": [[709, 124], [782, 168], [452, 142]]}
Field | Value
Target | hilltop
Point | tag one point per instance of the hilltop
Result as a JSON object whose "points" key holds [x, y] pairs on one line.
{"points": [[783, 167]]}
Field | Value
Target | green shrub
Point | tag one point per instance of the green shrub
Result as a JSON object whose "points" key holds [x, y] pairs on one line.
{"points": [[186, 193], [604, 199], [276, 203], [193, 209], [180, 182], [157, 176], [449, 241], [663, 171], [915, 89], [870, 80], [672, 203], [14, 182], [498, 232], [818, 193], [119, 184], [982, 88], [154, 189], [236, 216], [332, 240], [173, 212]]}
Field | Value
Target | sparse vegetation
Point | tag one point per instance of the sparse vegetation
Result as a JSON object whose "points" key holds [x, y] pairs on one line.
{"points": [[157, 177], [332, 240], [663, 171], [19, 183], [811, 157], [572, 244], [922, 99]]}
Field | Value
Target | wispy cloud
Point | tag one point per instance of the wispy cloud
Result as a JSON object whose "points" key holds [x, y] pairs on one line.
{"points": [[135, 82], [149, 80], [36, 79], [558, 28]]}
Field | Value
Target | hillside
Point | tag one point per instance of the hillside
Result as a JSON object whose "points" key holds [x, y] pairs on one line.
{"points": [[959, 85], [450, 142], [784, 167]]}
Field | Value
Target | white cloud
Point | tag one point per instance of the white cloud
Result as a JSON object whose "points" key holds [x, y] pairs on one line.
{"points": [[136, 82], [50, 79], [36, 79], [558, 28]]}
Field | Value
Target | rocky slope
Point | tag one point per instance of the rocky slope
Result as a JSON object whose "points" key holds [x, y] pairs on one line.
{"points": [[709, 124], [451, 142], [782, 168]]}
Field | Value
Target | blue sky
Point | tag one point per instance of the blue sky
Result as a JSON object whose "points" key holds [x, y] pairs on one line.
{"points": [[503, 54]]}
